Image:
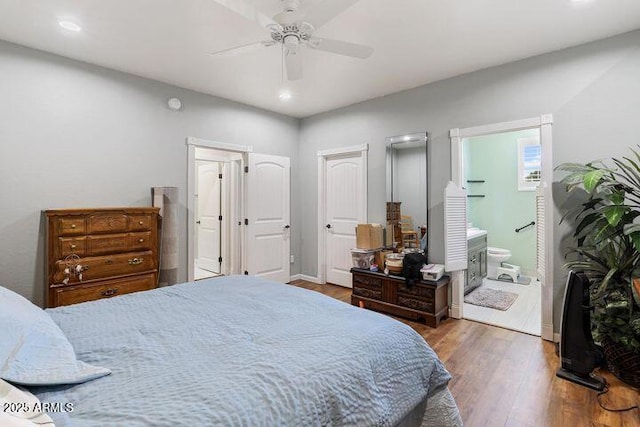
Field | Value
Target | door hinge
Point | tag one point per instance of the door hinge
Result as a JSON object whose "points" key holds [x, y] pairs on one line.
{"points": [[219, 217], [246, 273], [246, 221], [246, 169], [220, 259], [219, 176]]}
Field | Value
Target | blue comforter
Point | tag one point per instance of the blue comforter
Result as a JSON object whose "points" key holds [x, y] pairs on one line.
{"points": [[241, 351]]}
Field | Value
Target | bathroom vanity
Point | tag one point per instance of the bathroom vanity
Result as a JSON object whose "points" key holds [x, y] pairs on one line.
{"points": [[477, 261]]}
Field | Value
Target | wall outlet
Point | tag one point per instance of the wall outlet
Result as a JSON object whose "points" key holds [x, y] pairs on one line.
{"points": [[292, 259]]}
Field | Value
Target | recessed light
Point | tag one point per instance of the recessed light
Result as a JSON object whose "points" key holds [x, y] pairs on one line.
{"points": [[284, 95], [70, 26]]}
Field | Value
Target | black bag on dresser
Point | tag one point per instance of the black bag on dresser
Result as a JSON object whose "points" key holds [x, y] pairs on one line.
{"points": [[411, 265]]}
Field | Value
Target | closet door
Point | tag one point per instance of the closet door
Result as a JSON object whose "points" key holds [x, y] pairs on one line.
{"points": [[208, 229], [268, 217]]}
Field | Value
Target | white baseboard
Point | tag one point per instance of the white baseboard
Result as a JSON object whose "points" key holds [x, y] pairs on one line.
{"points": [[306, 278], [455, 312], [547, 333]]}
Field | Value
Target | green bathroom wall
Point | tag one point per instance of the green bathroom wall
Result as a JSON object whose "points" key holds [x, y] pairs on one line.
{"points": [[494, 159]]}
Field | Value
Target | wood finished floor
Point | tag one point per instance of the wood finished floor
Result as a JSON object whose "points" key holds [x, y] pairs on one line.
{"points": [[507, 378]]}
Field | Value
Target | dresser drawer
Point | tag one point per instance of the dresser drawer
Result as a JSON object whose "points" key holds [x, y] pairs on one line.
{"points": [[72, 225], [107, 223], [369, 287], [72, 245], [107, 244], [139, 241], [140, 222], [416, 291], [416, 304], [96, 268], [66, 295]]}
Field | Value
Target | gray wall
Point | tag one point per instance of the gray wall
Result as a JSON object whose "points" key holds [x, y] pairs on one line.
{"points": [[593, 92], [77, 135]]}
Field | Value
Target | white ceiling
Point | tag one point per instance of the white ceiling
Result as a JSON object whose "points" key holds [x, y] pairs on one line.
{"points": [[415, 42]]}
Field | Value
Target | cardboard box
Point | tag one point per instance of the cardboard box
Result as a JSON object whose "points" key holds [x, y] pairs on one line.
{"points": [[380, 258], [369, 236]]}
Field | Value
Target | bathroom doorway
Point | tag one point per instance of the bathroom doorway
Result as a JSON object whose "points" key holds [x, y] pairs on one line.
{"points": [[512, 193], [501, 175]]}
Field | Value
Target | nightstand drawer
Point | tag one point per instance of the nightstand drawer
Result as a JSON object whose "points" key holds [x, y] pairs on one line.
{"points": [[66, 295]]}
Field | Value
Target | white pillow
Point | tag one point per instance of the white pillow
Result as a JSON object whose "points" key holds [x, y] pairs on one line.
{"points": [[21, 408], [34, 350]]}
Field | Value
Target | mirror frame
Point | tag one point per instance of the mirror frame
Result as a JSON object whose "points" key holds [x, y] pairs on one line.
{"points": [[404, 139]]}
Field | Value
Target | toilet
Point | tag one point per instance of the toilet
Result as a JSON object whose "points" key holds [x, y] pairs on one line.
{"points": [[497, 266]]}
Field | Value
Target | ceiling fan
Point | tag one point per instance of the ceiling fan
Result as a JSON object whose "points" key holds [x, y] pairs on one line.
{"points": [[293, 28]]}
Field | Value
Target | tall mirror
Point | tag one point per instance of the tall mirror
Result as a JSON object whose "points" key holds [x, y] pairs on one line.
{"points": [[407, 191]]}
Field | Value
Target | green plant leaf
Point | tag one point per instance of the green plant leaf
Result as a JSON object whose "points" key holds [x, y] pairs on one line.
{"points": [[617, 197], [591, 179], [614, 214], [586, 222]]}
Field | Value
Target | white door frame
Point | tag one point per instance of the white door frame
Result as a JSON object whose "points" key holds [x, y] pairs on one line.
{"points": [[323, 155], [544, 124], [192, 143]]}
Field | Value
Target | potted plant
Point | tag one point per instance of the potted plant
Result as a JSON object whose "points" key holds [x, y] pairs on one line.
{"points": [[607, 250]]}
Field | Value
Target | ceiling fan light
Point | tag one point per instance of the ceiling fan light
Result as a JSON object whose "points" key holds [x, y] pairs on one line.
{"points": [[69, 26], [285, 95]]}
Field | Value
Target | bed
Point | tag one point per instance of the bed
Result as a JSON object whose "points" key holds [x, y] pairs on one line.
{"points": [[242, 351]]}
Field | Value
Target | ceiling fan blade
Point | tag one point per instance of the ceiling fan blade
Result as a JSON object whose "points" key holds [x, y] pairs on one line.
{"points": [[243, 8], [341, 48], [293, 61], [239, 50], [326, 10]]}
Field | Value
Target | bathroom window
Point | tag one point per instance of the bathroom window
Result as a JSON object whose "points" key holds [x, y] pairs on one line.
{"points": [[529, 163]]}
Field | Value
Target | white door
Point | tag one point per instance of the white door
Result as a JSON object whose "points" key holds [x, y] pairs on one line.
{"points": [[345, 193], [207, 221], [268, 213]]}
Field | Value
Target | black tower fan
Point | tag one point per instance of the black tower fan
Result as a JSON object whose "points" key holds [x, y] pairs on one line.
{"points": [[578, 353]]}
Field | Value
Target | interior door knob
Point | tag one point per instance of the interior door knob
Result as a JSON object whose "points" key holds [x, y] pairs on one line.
{"points": [[328, 225], [287, 226], [197, 222]]}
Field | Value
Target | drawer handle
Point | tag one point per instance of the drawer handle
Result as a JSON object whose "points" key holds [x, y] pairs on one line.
{"points": [[108, 261], [135, 261], [73, 226], [141, 222], [473, 259], [140, 240], [73, 246], [109, 292]]}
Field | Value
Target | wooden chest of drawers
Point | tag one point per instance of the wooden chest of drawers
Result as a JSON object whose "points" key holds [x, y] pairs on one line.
{"points": [[424, 300], [100, 253]]}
